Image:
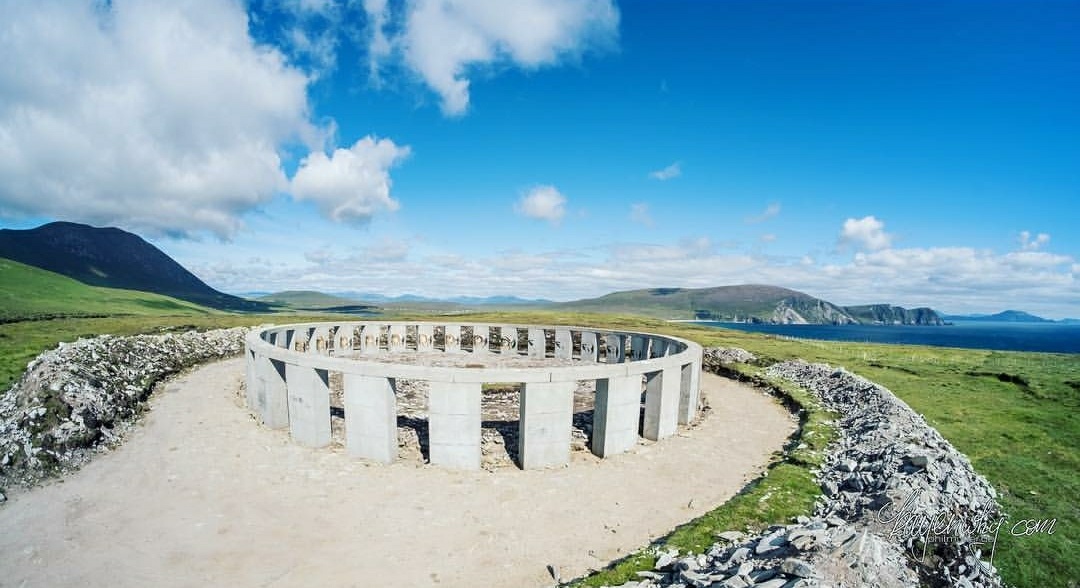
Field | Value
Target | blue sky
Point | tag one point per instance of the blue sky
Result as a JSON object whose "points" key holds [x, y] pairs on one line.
{"points": [[918, 153]]}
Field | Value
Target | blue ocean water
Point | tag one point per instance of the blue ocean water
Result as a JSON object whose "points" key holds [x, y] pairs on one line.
{"points": [[1049, 337]]}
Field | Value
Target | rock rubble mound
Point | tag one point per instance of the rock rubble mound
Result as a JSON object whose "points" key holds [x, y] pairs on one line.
{"points": [[83, 396], [900, 506]]}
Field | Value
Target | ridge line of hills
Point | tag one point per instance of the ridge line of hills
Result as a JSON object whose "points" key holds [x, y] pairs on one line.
{"points": [[116, 259]]}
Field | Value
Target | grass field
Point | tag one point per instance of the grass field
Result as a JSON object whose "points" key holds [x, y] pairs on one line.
{"points": [[1014, 414], [31, 293]]}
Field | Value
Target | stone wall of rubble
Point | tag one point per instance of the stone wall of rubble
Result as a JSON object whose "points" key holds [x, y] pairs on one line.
{"points": [[886, 480], [84, 395]]}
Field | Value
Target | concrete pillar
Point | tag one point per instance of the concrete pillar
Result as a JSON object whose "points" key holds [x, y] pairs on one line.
{"points": [[508, 340], [309, 405], [564, 344], [454, 425], [369, 339], [615, 416], [319, 341], [689, 392], [616, 348], [286, 342], [425, 338], [343, 340], [271, 398], [661, 403], [537, 343], [657, 347], [547, 410], [396, 338], [370, 418], [481, 335], [671, 348], [589, 350], [452, 338], [251, 381], [639, 347]]}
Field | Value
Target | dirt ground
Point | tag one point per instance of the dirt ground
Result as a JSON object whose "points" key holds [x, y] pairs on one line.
{"points": [[202, 495]]}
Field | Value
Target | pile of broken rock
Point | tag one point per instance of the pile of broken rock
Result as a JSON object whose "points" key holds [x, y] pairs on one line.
{"points": [[84, 395], [886, 482]]}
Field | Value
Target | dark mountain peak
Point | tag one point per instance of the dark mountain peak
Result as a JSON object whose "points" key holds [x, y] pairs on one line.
{"points": [[114, 258]]}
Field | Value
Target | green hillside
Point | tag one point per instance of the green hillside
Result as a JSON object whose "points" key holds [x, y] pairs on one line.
{"points": [[312, 300], [751, 301], [30, 293]]}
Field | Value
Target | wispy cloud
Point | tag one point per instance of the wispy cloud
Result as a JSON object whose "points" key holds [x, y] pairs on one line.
{"points": [[672, 171], [639, 213], [770, 211], [543, 203]]}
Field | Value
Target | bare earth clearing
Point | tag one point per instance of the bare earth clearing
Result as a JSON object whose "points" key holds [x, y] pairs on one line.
{"points": [[201, 495]]}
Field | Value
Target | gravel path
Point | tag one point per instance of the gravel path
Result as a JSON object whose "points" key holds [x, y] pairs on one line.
{"points": [[201, 495]]}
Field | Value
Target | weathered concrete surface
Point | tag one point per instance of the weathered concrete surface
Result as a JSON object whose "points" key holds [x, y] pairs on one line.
{"points": [[544, 425], [661, 404], [454, 420], [199, 496], [370, 417], [615, 415], [309, 405]]}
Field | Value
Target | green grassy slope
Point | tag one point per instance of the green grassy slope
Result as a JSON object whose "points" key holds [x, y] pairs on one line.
{"points": [[30, 293], [309, 299], [726, 302]]}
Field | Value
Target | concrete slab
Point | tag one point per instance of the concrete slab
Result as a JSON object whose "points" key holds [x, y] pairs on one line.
{"points": [[544, 424], [589, 348], [616, 348], [564, 344], [537, 343], [689, 392], [370, 418], [661, 404], [454, 425], [616, 414], [271, 396], [309, 405], [480, 339], [396, 339], [452, 338], [508, 339], [425, 338]]}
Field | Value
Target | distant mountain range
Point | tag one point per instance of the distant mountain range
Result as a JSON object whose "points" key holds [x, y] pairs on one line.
{"points": [[113, 258], [464, 300], [750, 303], [1006, 316]]}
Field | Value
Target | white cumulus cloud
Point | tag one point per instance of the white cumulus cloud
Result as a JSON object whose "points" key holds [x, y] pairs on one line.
{"points": [[350, 185], [160, 116], [445, 41], [543, 203], [866, 233], [1032, 243], [672, 171]]}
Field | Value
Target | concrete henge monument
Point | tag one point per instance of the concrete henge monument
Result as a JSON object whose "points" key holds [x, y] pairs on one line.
{"points": [[288, 367]]}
